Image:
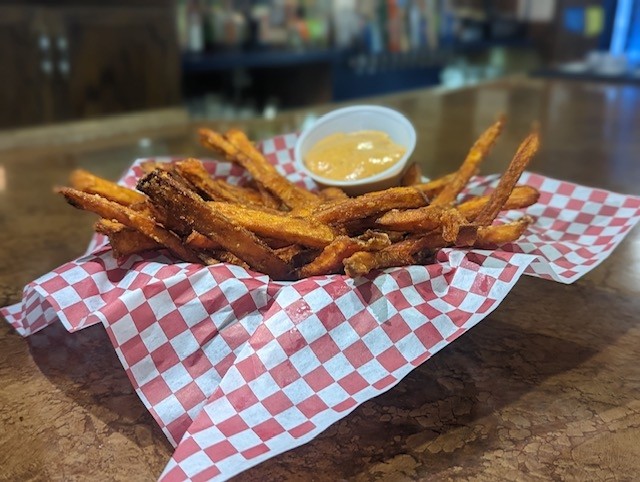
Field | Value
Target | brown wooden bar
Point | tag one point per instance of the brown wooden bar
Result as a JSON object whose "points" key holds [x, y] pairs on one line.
{"points": [[546, 387]]}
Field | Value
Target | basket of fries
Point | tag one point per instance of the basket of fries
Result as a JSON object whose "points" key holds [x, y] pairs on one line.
{"points": [[251, 310], [289, 232]]}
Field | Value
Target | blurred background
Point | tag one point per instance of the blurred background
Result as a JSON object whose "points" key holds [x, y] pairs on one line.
{"points": [[238, 59]]}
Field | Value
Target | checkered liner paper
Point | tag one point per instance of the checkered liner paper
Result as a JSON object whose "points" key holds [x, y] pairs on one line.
{"points": [[237, 368]]}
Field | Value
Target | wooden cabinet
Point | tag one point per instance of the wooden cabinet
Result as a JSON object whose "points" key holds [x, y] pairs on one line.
{"points": [[25, 90], [77, 61]]}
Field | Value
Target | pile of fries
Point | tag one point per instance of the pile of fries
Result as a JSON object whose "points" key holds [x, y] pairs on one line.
{"points": [[276, 227]]}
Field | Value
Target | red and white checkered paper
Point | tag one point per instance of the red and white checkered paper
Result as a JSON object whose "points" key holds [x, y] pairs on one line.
{"points": [[238, 368]]}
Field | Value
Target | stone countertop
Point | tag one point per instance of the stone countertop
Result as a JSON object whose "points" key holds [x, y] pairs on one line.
{"points": [[546, 387]]}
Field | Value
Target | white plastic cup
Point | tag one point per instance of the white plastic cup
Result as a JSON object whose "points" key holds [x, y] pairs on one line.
{"points": [[353, 119]]}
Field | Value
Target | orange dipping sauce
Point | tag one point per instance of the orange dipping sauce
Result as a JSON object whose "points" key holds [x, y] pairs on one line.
{"points": [[355, 155]]}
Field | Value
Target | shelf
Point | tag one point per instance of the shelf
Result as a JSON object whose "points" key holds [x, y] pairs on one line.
{"points": [[627, 78], [242, 59], [350, 74], [479, 45], [194, 63]]}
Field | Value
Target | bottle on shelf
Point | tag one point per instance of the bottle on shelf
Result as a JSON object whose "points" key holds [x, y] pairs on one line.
{"points": [[195, 26]]}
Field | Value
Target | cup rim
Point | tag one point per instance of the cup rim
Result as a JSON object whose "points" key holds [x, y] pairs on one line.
{"points": [[391, 171]]}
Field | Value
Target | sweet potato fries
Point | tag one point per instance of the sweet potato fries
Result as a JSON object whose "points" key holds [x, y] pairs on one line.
{"points": [[278, 228]]}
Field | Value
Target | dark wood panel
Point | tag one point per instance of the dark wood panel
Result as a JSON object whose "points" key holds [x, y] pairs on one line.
{"points": [[84, 3], [119, 59], [24, 98], [96, 60]]}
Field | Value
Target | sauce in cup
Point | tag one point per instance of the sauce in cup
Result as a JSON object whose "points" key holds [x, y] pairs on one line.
{"points": [[355, 155]]}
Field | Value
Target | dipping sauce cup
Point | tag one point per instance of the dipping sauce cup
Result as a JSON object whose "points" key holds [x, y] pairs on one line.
{"points": [[353, 119]]}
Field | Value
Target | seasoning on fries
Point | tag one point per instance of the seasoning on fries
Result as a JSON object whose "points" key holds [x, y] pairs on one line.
{"points": [[287, 232]]}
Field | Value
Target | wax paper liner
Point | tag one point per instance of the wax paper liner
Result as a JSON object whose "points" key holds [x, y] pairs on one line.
{"points": [[273, 364]]}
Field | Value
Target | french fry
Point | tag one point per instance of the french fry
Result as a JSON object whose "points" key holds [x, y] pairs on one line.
{"points": [[422, 219], [199, 242], [268, 199], [296, 255], [416, 249], [150, 165], [428, 217], [406, 252], [227, 257], [412, 176], [193, 171], [277, 225], [476, 155], [246, 195], [369, 204], [127, 216], [433, 187], [451, 222], [520, 197], [377, 202], [163, 188], [331, 259], [124, 241], [507, 182], [241, 142], [332, 194], [237, 148], [85, 181], [496, 235]]}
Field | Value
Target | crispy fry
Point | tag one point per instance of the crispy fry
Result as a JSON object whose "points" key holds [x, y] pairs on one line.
{"points": [[237, 148], [163, 188], [340, 212], [412, 176], [108, 226], [127, 216], [215, 189], [227, 257], [332, 194], [398, 254], [296, 255], [416, 249], [451, 222], [162, 217], [241, 142], [246, 195], [199, 242], [478, 152], [428, 217], [432, 188], [330, 260], [354, 227], [124, 241], [290, 194], [499, 197], [520, 197], [267, 199], [216, 142], [417, 220], [328, 208], [374, 203], [495, 235], [85, 181], [148, 166], [277, 225]]}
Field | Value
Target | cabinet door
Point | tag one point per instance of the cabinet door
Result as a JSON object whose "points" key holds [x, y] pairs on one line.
{"points": [[26, 66], [117, 59]]}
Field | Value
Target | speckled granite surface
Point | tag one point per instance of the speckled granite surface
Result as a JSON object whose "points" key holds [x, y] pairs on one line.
{"points": [[547, 387]]}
